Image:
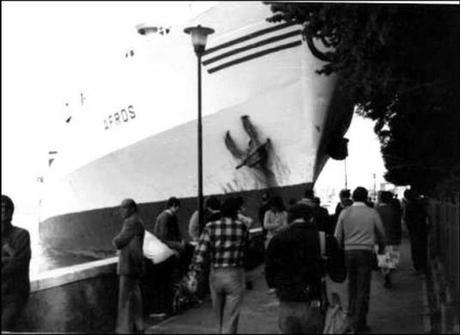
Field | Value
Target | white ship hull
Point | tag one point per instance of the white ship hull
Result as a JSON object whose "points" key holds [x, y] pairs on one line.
{"points": [[254, 71]]}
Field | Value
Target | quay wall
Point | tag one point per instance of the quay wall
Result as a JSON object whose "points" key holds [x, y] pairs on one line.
{"points": [[83, 298], [79, 298]]}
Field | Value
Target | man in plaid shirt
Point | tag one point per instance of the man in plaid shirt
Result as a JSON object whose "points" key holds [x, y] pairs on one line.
{"points": [[223, 243]]}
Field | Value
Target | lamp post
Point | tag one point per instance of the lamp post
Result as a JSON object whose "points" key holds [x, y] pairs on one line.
{"points": [[199, 36], [345, 165]]}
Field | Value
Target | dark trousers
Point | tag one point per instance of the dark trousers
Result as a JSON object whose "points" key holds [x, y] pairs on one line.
{"points": [[12, 306], [203, 283], [418, 247], [130, 316], [167, 275], [359, 266]]}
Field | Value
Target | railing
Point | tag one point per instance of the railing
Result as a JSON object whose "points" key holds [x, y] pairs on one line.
{"points": [[444, 262]]}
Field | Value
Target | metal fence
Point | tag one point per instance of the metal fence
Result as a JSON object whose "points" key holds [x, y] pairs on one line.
{"points": [[444, 259]]}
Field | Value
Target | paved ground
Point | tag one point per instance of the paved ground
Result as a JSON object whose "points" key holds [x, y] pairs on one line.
{"points": [[392, 311]]}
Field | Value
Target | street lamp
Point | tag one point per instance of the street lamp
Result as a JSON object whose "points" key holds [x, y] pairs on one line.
{"points": [[199, 37]]}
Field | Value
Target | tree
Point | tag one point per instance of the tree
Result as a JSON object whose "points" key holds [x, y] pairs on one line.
{"points": [[400, 65]]}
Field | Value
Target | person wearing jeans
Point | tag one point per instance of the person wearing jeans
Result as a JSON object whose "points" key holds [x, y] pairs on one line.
{"points": [[293, 267], [358, 229], [227, 287], [223, 244]]}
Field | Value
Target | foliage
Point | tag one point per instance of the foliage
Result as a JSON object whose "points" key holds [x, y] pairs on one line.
{"points": [[400, 65]]}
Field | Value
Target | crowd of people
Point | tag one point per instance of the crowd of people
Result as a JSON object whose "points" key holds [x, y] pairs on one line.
{"points": [[309, 255]]}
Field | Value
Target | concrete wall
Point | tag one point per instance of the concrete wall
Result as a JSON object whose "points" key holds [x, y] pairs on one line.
{"points": [[80, 298], [83, 298]]}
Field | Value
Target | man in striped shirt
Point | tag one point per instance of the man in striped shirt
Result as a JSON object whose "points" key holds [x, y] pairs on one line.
{"points": [[223, 243]]}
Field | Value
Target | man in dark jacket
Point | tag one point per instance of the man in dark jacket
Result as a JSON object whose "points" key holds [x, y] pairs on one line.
{"points": [[324, 219], [391, 220], [130, 268], [169, 272], [294, 268], [415, 216], [15, 267]]}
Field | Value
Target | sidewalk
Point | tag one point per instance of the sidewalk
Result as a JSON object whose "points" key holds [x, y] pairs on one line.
{"points": [[391, 311], [399, 309]]}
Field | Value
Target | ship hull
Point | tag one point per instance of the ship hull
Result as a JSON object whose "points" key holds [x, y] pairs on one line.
{"points": [[90, 232], [268, 119]]}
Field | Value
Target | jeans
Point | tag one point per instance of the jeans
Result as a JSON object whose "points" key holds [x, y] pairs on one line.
{"points": [[130, 315], [300, 317], [359, 266], [227, 288]]}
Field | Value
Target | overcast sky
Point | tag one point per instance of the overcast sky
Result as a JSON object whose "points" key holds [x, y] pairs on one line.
{"points": [[50, 49]]}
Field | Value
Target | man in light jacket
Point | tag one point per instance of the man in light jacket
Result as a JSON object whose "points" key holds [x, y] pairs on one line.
{"points": [[359, 228], [130, 268]]}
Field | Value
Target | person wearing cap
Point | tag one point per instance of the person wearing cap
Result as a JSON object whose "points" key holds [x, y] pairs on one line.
{"points": [[16, 254], [294, 268], [130, 269]]}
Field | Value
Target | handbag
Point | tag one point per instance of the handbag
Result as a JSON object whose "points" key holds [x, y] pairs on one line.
{"points": [[154, 249]]}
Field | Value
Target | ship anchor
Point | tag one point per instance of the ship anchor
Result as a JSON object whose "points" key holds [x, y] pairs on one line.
{"points": [[256, 153]]}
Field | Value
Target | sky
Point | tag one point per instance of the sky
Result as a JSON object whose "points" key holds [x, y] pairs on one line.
{"points": [[50, 49]]}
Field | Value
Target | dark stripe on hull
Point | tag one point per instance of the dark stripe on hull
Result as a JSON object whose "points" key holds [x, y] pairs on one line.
{"points": [[255, 55], [252, 46], [248, 37], [93, 231]]}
